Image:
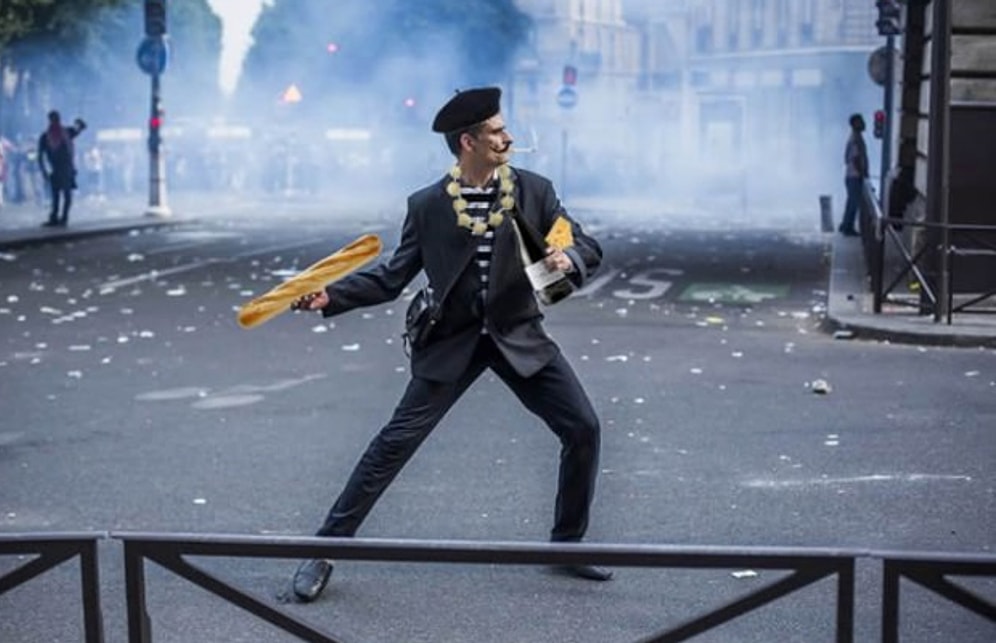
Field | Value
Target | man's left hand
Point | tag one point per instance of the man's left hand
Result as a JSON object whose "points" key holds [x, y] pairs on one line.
{"points": [[558, 260]]}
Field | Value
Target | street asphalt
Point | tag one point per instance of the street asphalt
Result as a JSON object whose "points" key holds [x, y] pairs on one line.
{"points": [[734, 413]]}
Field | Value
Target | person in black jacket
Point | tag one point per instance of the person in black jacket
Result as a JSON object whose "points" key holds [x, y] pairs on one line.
{"points": [[459, 231], [55, 146]]}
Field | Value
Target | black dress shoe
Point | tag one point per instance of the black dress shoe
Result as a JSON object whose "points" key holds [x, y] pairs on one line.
{"points": [[849, 232], [311, 578], [587, 572]]}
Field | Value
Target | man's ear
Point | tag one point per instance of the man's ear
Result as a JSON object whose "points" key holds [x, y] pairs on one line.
{"points": [[466, 142]]}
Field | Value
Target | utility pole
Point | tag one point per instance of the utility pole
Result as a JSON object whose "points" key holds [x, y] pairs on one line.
{"points": [[153, 54], [888, 104]]}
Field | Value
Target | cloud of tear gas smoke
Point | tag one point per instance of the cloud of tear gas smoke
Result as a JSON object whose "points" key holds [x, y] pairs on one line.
{"points": [[666, 146], [744, 140], [353, 112]]}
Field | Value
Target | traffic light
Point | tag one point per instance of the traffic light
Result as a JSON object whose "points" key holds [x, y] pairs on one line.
{"points": [[878, 129], [570, 75], [889, 21], [155, 18], [155, 128]]}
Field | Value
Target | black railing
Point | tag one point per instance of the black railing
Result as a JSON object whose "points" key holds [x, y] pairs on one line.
{"points": [[962, 241], [808, 566], [930, 571], [51, 550], [911, 251]]}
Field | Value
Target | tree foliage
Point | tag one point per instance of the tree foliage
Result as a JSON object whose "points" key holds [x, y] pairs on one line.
{"points": [[381, 49], [25, 24], [80, 54]]}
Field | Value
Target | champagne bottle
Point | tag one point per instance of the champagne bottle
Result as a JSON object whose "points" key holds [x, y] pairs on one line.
{"points": [[550, 285]]}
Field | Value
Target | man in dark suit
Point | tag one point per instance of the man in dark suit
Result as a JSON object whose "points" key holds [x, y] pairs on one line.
{"points": [[460, 231]]}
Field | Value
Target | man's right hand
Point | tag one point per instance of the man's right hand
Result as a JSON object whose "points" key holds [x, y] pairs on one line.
{"points": [[312, 301]]}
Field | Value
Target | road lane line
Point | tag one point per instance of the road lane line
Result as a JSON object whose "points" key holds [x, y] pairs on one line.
{"points": [[152, 275], [761, 483]]}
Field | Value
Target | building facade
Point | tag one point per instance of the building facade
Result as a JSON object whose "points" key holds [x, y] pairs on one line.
{"points": [[749, 94], [769, 86], [593, 38]]}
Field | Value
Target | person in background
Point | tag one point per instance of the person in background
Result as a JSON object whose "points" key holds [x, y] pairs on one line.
{"points": [[93, 167], [856, 161], [5, 150], [57, 164]]}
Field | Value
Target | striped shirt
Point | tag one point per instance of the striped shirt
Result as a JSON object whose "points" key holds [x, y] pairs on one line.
{"points": [[479, 202]]}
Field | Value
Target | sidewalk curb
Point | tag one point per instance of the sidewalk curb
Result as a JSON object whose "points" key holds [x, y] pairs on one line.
{"points": [[21, 239], [901, 333], [849, 308]]}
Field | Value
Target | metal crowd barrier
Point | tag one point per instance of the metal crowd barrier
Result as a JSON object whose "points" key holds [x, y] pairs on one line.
{"points": [[880, 234], [963, 240], [882, 239], [930, 571], [52, 550], [806, 566]]}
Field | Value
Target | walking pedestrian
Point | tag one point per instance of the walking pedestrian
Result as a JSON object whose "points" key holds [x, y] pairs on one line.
{"points": [[460, 231]]}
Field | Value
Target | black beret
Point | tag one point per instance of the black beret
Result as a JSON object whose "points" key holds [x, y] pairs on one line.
{"points": [[467, 108]]}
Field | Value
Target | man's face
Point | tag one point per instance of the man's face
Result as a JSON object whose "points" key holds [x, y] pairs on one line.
{"points": [[492, 145], [858, 124]]}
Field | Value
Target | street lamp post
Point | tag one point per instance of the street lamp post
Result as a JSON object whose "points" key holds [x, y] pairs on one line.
{"points": [[153, 54], [157, 160]]}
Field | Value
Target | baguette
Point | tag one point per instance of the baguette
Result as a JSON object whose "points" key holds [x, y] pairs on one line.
{"points": [[313, 279]]}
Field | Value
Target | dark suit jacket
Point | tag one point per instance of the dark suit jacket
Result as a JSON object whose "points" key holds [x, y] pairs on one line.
{"points": [[432, 241], [61, 167]]}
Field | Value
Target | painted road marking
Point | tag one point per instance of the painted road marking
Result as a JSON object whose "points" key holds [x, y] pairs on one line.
{"points": [[649, 287], [597, 283], [761, 483], [733, 293], [153, 275]]}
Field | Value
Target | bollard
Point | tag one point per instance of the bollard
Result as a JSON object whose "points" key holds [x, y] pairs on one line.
{"points": [[826, 213]]}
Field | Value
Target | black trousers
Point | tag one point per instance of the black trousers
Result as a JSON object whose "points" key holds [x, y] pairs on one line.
{"points": [[554, 394], [59, 191]]}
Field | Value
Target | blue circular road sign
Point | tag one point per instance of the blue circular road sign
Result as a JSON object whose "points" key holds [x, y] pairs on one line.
{"points": [[567, 97], [153, 55]]}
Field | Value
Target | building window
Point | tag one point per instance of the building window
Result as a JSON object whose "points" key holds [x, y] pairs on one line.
{"points": [[807, 22], [704, 21], [733, 25], [783, 18], [757, 23], [703, 39]]}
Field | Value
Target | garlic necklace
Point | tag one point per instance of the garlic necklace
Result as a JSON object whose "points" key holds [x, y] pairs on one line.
{"points": [[506, 201]]}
